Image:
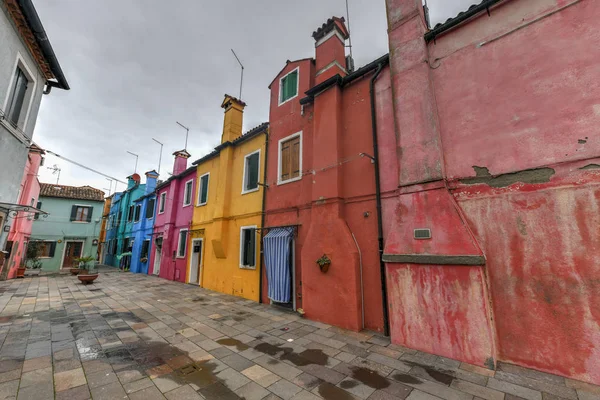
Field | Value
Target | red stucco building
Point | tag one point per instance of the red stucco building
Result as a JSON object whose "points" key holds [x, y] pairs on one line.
{"points": [[321, 181], [491, 148]]}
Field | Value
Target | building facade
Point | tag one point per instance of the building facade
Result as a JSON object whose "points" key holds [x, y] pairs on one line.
{"points": [[72, 226], [143, 224], [491, 241], [227, 212], [322, 189], [28, 69], [102, 245], [20, 231], [174, 209]]}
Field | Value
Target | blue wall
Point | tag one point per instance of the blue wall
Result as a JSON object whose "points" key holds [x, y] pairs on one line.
{"points": [[142, 229]]}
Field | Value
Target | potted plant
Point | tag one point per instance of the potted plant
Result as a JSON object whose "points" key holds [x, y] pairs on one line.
{"points": [[32, 259], [324, 262], [86, 269]]}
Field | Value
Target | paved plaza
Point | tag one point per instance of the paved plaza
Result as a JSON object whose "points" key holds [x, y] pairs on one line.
{"points": [[141, 337]]}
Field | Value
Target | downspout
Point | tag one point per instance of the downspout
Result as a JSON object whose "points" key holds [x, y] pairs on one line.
{"points": [[386, 324], [262, 221]]}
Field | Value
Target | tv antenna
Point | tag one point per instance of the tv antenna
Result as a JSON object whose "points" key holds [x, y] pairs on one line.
{"points": [[242, 77], [349, 35], [55, 170], [187, 132]]}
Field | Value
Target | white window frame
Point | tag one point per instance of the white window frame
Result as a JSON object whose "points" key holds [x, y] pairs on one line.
{"points": [[147, 204], [297, 69], [179, 243], [86, 206], [191, 193], [242, 228], [161, 203], [20, 62], [200, 189], [244, 191], [285, 139]]}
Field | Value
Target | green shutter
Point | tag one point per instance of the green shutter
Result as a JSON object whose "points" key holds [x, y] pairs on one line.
{"points": [[52, 249], [251, 247], [252, 180], [89, 215], [204, 189], [292, 82], [73, 213]]}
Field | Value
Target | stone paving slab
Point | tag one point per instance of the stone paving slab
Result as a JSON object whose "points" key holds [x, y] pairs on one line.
{"points": [[133, 336]]}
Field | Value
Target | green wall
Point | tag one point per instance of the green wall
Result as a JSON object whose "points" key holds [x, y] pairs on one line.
{"points": [[58, 228]]}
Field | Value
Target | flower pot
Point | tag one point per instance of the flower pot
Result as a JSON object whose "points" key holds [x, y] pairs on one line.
{"points": [[324, 267], [21, 272], [74, 271], [87, 278]]}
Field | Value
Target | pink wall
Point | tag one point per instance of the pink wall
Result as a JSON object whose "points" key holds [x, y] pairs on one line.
{"points": [[516, 93]]}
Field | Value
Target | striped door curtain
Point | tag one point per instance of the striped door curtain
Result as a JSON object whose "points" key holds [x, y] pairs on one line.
{"points": [[276, 245]]}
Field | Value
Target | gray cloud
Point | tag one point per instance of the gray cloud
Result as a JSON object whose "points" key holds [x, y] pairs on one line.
{"points": [[137, 66]]}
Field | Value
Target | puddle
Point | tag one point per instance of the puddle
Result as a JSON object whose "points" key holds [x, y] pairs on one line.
{"points": [[440, 376], [330, 392], [370, 378], [348, 384], [233, 342], [404, 378]]}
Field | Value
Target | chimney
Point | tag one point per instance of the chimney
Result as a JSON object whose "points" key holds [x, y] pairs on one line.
{"points": [[180, 163], [151, 177], [234, 116], [133, 180], [330, 49]]}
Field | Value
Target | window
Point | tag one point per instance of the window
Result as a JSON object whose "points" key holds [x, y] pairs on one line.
{"points": [[131, 241], [182, 245], [39, 207], [290, 158], [45, 249], [203, 189], [161, 203], [14, 108], [251, 169], [288, 87], [248, 247], [145, 248], [130, 213], [81, 213], [150, 208], [138, 211], [187, 194]]}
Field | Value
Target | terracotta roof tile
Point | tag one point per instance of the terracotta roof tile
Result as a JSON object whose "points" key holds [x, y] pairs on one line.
{"points": [[71, 192]]}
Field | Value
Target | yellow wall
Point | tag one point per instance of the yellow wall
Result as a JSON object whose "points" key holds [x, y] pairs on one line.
{"points": [[226, 211]]}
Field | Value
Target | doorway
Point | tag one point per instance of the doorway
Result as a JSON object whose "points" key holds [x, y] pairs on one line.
{"points": [[157, 258], [292, 280], [196, 262], [73, 250]]}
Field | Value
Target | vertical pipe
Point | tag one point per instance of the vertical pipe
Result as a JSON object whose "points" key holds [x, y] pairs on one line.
{"points": [[262, 220]]}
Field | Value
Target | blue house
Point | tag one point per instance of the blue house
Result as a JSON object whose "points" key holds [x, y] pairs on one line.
{"points": [[119, 231], [143, 224]]}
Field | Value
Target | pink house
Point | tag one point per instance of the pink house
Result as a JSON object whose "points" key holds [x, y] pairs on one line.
{"points": [[172, 222], [23, 220]]}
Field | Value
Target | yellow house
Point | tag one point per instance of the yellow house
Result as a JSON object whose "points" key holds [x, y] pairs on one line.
{"points": [[224, 239]]}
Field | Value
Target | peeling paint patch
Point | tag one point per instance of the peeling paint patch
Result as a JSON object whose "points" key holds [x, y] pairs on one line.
{"points": [[581, 141], [590, 166], [521, 226], [532, 176]]}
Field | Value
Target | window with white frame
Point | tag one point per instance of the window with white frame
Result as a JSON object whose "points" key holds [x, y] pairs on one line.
{"points": [[182, 244], [138, 211], [251, 171], [150, 208], [289, 166], [203, 189], [248, 247], [20, 95], [187, 194], [81, 213], [288, 86], [161, 203]]}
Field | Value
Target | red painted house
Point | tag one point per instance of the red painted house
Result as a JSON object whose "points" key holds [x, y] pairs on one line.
{"points": [[173, 215], [492, 239], [321, 186]]}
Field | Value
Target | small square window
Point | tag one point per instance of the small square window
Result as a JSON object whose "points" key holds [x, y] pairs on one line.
{"points": [[251, 171], [248, 247], [203, 189], [161, 203], [81, 213], [182, 245], [187, 195], [288, 87]]}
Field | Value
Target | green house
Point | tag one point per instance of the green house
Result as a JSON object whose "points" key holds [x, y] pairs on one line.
{"points": [[71, 229]]}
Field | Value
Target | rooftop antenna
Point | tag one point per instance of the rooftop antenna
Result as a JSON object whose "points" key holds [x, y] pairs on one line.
{"points": [[349, 35], [161, 149], [136, 160], [55, 170], [242, 78], [110, 186], [187, 132]]}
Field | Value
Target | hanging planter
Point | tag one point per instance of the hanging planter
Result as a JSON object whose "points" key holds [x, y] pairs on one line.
{"points": [[324, 262]]}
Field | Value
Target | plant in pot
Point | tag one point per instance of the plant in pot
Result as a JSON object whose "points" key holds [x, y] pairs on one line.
{"points": [[32, 259], [86, 269], [324, 262]]}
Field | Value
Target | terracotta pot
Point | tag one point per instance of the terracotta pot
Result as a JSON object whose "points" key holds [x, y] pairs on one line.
{"points": [[21, 272], [325, 267], [86, 278], [74, 271]]}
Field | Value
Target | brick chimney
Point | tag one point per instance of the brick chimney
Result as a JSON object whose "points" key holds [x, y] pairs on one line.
{"points": [[180, 163], [234, 117], [330, 49]]}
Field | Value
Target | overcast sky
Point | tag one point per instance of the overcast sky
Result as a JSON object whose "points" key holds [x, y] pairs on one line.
{"points": [[135, 67]]}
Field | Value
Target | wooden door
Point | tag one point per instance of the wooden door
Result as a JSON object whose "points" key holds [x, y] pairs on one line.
{"points": [[72, 251]]}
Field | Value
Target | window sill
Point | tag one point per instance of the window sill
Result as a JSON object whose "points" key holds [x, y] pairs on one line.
{"points": [[247, 267], [289, 180], [250, 191], [16, 132], [81, 222], [291, 98], [180, 257], [201, 204], [186, 205]]}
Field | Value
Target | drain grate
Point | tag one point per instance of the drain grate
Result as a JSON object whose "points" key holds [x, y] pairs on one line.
{"points": [[188, 369]]}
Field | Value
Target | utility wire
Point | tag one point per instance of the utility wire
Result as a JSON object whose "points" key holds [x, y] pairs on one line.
{"points": [[83, 166]]}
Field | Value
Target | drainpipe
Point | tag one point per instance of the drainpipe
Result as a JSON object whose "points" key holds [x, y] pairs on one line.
{"points": [[262, 221], [386, 324]]}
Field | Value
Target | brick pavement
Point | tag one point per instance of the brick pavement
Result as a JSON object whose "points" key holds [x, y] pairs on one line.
{"points": [[140, 337]]}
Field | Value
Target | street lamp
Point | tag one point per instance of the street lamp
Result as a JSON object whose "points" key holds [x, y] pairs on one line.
{"points": [[136, 160], [160, 156]]}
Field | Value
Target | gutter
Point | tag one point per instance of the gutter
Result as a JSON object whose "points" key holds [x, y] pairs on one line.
{"points": [[262, 222], [41, 38], [460, 18], [386, 323]]}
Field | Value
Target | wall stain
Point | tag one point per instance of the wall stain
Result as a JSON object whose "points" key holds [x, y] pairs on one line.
{"points": [[521, 226], [531, 176], [590, 166], [581, 141]]}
